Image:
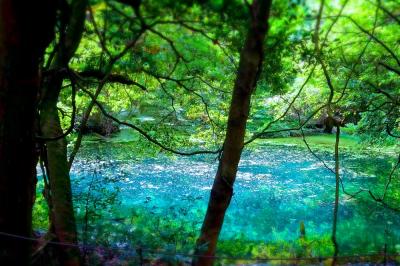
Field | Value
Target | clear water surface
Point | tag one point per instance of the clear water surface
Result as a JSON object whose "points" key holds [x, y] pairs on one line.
{"points": [[277, 188]]}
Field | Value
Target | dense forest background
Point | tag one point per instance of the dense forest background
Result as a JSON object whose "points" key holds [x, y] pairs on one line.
{"points": [[92, 91]]}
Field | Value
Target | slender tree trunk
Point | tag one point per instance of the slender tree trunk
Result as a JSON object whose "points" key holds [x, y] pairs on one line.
{"points": [[251, 58], [83, 123], [336, 206], [26, 28], [62, 212]]}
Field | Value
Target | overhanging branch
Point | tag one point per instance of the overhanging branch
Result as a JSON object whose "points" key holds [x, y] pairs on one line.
{"points": [[144, 133]]}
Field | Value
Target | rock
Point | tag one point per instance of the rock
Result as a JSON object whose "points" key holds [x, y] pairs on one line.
{"points": [[99, 124]]}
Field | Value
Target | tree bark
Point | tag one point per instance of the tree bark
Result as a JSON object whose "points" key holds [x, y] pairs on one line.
{"points": [[328, 124], [62, 215], [26, 29], [336, 204], [251, 58]]}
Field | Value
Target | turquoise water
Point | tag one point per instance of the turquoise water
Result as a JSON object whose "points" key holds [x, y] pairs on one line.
{"points": [[160, 202]]}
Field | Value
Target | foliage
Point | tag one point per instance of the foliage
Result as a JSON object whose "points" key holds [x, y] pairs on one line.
{"points": [[40, 217], [167, 70]]}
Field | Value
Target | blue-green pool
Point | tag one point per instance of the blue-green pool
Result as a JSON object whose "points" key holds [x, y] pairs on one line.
{"points": [[160, 202]]}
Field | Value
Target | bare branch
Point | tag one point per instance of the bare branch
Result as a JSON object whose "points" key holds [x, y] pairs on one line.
{"points": [[72, 124], [390, 68], [376, 39], [143, 133], [264, 130], [98, 74]]}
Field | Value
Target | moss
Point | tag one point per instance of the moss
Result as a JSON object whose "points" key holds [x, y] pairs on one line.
{"points": [[326, 142], [40, 210]]}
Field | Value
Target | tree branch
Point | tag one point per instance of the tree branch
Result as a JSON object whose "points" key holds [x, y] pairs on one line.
{"points": [[143, 133]]}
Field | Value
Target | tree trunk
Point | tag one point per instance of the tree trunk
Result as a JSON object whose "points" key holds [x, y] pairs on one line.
{"points": [[26, 28], [329, 123], [62, 212], [336, 204], [251, 58]]}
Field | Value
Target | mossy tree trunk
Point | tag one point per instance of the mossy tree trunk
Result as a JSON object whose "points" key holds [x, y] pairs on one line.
{"points": [[62, 218], [251, 59], [62, 212]]}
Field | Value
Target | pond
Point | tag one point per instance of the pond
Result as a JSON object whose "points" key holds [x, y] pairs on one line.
{"points": [[159, 203]]}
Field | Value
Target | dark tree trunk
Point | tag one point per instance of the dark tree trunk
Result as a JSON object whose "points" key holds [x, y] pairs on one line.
{"points": [[329, 123], [251, 58], [26, 28], [62, 212]]}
